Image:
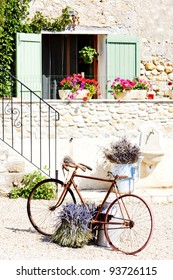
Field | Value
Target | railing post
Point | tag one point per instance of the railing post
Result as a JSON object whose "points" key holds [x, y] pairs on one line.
{"points": [[24, 120], [56, 174]]}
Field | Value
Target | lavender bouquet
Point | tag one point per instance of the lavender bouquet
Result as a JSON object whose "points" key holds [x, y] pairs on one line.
{"points": [[73, 226]]}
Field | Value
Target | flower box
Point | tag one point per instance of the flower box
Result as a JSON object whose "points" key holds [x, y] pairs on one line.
{"points": [[127, 89], [134, 94], [65, 94], [79, 87]]}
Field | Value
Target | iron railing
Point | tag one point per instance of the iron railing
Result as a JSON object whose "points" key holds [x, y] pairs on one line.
{"points": [[28, 124]]}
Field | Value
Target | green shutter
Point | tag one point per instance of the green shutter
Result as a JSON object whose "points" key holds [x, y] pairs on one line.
{"points": [[122, 58], [29, 70]]}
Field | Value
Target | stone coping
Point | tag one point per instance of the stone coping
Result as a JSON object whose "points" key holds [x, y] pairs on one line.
{"points": [[94, 101]]}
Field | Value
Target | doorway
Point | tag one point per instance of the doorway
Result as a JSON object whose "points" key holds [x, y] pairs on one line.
{"points": [[60, 58]]}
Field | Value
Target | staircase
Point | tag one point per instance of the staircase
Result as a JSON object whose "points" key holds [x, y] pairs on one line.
{"points": [[28, 125]]}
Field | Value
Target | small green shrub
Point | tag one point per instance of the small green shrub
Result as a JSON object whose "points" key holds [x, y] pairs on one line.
{"points": [[47, 191]]}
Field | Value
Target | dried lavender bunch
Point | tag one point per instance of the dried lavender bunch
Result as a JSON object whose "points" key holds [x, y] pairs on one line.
{"points": [[122, 152], [73, 231], [76, 214]]}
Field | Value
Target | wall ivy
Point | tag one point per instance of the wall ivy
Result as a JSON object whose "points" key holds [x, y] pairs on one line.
{"points": [[12, 14], [14, 18]]}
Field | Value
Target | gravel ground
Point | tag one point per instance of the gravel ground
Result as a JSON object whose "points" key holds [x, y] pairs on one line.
{"points": [[19, 241]]}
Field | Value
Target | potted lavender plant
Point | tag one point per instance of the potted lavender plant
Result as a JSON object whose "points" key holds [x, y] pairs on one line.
{"points": [[125, 160]]}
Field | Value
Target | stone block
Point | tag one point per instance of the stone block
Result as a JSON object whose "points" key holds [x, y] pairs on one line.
{"points": [[8, 180], [15, 166]]}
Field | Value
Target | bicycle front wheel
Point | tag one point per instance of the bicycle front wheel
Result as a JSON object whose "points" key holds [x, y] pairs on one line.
{"points": [[130, 227], [41, 209]]}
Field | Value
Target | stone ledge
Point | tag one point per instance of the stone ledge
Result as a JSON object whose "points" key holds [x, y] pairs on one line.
{"points": [[59, 101]]}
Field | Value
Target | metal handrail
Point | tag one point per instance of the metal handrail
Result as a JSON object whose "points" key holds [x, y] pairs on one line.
{"points": [[38, 146]]}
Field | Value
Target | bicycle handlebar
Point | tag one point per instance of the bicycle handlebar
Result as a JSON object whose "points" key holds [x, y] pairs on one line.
{"points": [[68, 162], [86, 166]]}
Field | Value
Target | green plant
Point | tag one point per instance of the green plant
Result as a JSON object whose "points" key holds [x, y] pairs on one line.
{"points": [[40, 22], [73, 230], [13, 19], [141, 84], [2, 15], [12, 15], [88, 54], [27, 184], [6, 86]]}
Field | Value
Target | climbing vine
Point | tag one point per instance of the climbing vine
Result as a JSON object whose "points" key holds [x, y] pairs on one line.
{"points": [[14, 18], [2, 15], [12, 15], [40, 22]]}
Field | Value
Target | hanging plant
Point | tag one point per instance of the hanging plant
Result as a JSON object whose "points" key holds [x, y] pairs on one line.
{"points": [[88, 54]]}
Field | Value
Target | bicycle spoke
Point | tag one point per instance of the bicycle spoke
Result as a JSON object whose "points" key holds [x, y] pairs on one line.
{"points": [[41, 213], [135, 234]]}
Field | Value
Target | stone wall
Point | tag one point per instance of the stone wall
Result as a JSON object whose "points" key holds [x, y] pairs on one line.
{"points": [[151, 20], [158, 73], [153, 25], [84, 128], [108, 118]]}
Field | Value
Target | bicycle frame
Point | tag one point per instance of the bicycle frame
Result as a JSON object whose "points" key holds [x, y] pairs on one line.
{"points": [[127, 215], [113, 188]]}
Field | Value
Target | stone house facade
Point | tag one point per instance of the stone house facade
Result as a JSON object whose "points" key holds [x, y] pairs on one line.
{"points": [[84, 127], [151, 22]]}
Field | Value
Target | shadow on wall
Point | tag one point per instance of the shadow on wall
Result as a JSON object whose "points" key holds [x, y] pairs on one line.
{"points": [[88, 151]]}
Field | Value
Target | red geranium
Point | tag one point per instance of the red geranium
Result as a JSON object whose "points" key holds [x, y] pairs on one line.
{"points": [[77, 82]]}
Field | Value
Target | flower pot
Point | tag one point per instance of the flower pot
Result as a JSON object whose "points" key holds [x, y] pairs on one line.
{"points": [[101, 238], [65, 94], [132, 170], [81, 94], [125, 94], [131, 95], [150, 95], [124, 185], [138, 94]]}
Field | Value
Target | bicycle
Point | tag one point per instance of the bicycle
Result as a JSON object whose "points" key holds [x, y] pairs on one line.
{"points": [[127, 223]]}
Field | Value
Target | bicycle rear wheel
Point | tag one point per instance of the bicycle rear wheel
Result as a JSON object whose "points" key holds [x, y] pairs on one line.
{"points": [[41, 212], [131, 224]]}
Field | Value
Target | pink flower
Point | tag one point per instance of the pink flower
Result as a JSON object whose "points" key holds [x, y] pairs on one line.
{"points": [[72, 96]]}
